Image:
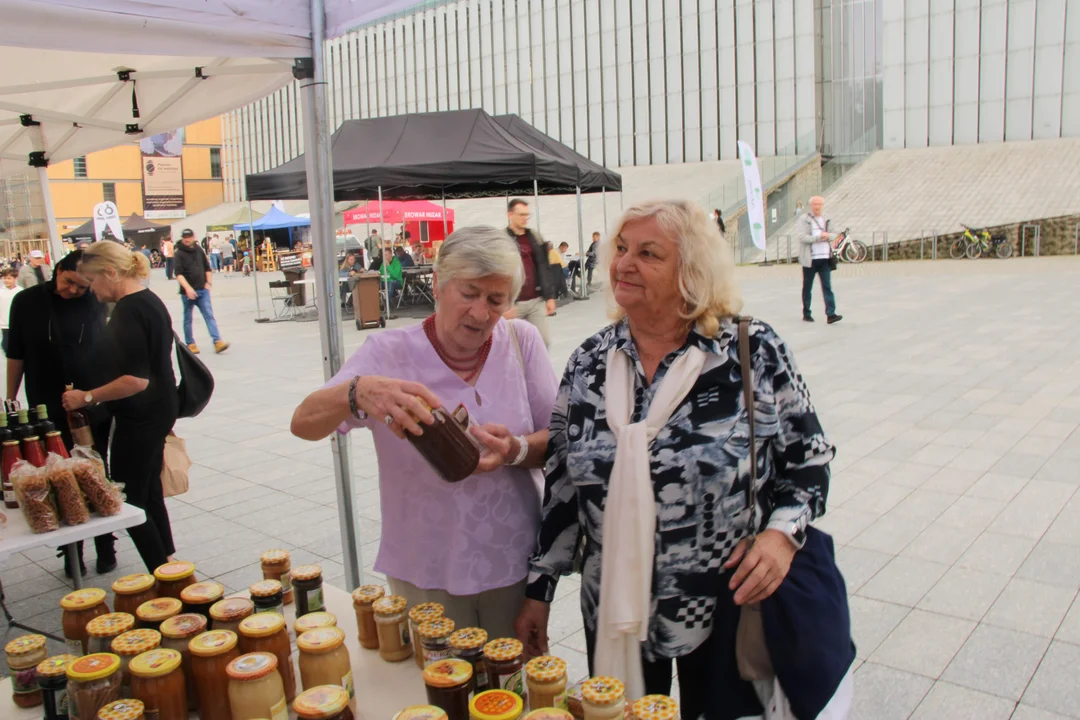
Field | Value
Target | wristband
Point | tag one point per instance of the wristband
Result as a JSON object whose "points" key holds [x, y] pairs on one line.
{"points": [[523, 451], [357, 412]]}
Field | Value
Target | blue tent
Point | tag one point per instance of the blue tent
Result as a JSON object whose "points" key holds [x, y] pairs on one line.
{"points": [[274, 220]]}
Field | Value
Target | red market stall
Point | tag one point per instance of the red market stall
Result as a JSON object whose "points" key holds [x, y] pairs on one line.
{"points": [[423, 220]]}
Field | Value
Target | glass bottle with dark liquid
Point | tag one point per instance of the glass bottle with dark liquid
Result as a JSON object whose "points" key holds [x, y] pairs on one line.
{"points": [[33, 450], [9, 455], [54, 442], [79, 426]]}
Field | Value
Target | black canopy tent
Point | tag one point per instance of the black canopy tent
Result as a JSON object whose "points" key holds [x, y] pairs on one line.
{"points": [[456, 154], [593, 175], [143, 232], [83, 233]]}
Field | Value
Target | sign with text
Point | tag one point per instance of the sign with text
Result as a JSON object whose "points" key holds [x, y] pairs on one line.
{"points": [[163, 175], [107, 220], [291, 261]]}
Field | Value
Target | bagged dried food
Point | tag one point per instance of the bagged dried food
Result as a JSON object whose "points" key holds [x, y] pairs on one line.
{"points": [[35, 498], [69, 498], [104, 497]]}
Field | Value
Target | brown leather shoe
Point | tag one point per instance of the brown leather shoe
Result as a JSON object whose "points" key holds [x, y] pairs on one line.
{"points": [[221, 346], [193, 348]]}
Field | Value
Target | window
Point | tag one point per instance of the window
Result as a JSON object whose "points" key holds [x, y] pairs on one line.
{"points": [[215, 163], [108, 192], [80, 167]]}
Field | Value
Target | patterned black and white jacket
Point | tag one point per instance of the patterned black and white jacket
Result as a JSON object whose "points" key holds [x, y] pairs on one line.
{"points": [[700, 469]]}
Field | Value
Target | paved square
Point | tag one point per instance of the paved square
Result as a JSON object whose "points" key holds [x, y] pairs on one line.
{"points": [[951, 389]]}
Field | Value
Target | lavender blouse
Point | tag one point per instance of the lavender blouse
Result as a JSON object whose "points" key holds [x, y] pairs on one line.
{"points": [[475, 535]]}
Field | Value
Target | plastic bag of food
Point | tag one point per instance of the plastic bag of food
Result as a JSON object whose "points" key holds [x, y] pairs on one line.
{"points": [[35, 498], [103, 496], [69, 498]]}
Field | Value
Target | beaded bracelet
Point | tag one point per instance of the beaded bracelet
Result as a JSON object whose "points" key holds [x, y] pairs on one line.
{"points": [[357, 412]]}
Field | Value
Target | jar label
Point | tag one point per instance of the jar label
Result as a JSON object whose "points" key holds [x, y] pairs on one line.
{"points": [[279, 710], [405, 639], [74, 647], [431, 656], [560, 701], [62, 704], [514, 682], [24, 681], [9, 496], [286, 582], [279, 609], [347, 683], [315, 600]]}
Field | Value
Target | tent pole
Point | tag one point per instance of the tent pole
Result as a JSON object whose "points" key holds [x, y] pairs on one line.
{"points": [[603, 196], [386, 275], [56, 246], [445, 220], [581, 247], [320, 186], [536, 203], [254, 261]]}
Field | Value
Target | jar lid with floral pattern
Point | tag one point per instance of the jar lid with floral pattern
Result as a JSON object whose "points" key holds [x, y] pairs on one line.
{"points": [[503, 649], [468, 639], [603, 691], [546, 669], [656, 707]]}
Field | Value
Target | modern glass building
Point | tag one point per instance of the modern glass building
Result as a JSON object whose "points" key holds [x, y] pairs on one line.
{"points": [[643, 82]]}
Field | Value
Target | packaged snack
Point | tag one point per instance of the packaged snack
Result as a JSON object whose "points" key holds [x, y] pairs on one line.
{"points": [[104, 497], [32, 490], [69, 498]]}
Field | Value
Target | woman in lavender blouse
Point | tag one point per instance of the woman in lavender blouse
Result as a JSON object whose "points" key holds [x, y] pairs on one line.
{"points": [[465, 545]]}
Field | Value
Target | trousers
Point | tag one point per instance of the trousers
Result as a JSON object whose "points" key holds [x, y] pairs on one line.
{"points": [[137, 455], [201, 301], [534, 312], [818, 267], [493, 610]]}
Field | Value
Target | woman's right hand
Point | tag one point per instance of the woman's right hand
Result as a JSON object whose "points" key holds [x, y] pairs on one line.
{"points": [[531, 627], [382, 397]]}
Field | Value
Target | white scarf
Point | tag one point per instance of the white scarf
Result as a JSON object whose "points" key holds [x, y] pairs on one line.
{"points": [[626, 560]]}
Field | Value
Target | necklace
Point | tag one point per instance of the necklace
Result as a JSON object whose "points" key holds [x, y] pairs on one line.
{"points": [[471, 364]]}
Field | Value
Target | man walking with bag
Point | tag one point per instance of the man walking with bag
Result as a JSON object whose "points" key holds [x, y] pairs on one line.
{"points": [[194, 276], [815, 256]]}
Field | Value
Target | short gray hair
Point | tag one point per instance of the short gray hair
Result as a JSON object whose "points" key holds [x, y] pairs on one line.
{"points": [[480, 251]]}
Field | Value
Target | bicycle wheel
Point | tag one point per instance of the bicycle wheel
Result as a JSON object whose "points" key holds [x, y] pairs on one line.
{"points": [[863, 251], [958, 249], [1004, 249], [974, 250], [851, 253]]}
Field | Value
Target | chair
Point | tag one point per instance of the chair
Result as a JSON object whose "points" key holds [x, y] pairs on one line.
{"points": [[282, 299]]}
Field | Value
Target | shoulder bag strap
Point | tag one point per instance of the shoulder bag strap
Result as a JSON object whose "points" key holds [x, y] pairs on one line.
{"points": [[517, 349], [748, 402]]}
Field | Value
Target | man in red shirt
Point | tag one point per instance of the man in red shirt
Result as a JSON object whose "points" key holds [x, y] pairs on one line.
{"points": [[532, 304]]}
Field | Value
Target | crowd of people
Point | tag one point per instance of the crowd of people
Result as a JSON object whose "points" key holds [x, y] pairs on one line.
{"points": [[677, 464]]}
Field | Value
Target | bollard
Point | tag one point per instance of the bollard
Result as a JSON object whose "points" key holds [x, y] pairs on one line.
{"points": [[933, 251], [922, 244]]}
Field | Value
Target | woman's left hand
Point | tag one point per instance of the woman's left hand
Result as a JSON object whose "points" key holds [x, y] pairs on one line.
{"points": [[762, 568], [74, 399], [500, 446]]}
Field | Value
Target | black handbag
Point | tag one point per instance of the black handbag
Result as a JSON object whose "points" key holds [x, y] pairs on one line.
{"points": [[196, 381]]}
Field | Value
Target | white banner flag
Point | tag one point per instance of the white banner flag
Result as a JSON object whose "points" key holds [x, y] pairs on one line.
{"points": [[107, 216], [755, 200]]}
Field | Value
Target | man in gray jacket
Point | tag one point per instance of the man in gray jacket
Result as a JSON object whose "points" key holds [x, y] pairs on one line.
{"points": [[35, 271], [815, 249]]}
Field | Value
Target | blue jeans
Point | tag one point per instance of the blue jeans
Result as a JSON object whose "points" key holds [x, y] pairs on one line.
{"points": [[818, 267], [215, 261], [202, 301]]}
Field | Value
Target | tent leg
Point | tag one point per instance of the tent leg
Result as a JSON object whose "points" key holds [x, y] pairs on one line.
{"points": [[581, 247], [445, 221], [603, 196], [386, 275], [254, 262], [536, 202], [56, 247], [320, 194]]}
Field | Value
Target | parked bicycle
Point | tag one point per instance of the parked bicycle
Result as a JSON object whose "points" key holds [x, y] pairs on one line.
{"points": [[979, 243], [849, 250]]}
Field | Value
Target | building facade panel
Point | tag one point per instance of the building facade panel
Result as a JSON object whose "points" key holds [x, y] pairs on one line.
{"points": [[638, 82]]}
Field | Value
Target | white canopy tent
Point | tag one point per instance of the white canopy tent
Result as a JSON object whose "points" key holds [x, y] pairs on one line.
{"points": [[78, 69]]}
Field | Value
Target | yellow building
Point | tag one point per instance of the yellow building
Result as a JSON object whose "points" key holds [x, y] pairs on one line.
{"points": [[116, 174]]}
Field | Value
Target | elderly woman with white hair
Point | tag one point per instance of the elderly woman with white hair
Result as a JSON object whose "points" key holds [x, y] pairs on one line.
{"points": [[466, 544], [649, 459]]}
